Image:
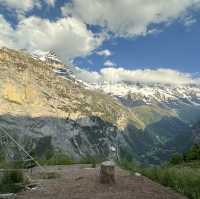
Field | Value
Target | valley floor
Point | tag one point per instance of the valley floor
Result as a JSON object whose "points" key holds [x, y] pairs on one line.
{"points": [[81, 182]]}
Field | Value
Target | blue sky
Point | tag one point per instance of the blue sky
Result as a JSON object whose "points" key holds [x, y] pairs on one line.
{"points": [[153, 36], [175, 47]]}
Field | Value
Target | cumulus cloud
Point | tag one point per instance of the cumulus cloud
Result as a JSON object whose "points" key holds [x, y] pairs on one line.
{"points": [[22, 6], [68, 37], [87, 76], [7, 35], [148, 75], [128, 18], [118, 75], [105, 53], [109, 63]]}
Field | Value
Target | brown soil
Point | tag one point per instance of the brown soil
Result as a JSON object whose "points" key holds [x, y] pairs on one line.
{"points": [[80, 182]]}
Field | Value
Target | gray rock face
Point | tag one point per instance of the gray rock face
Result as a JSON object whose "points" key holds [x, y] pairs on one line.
{"points": [[43, 134]]}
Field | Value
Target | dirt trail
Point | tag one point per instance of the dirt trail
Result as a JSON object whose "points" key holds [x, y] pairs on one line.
{"points": [[79, 182]]}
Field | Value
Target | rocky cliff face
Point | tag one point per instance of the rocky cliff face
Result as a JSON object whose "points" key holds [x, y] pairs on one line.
{"points": [[44, 106], [36, 103]]}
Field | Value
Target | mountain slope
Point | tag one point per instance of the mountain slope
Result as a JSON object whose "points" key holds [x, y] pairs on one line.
{"points": [[43, 102], [35, 102]]}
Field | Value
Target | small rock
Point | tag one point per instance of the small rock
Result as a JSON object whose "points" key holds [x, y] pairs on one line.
{"points": [[32, 186], [79, 178], [138, 174]]}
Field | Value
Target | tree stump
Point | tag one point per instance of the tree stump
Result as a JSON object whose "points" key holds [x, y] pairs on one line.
{"points": [[107, 172]]}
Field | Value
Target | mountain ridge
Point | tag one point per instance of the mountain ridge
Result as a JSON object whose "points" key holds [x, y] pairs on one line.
{"points": [[69, 109]]}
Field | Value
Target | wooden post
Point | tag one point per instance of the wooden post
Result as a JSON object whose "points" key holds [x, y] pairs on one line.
{"points": [[107, 172]]}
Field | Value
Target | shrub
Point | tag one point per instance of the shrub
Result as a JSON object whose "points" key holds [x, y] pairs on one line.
{"points": [[2, 156], [12, 181], [176, 159], [193, 153], [13, 176]]}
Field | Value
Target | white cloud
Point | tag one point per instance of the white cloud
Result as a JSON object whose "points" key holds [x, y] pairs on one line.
{"points": [[128, 18], [147, 75], [68, 37], [105, 53], [7, 35], [87, 76], [189, 21], [117, 75], [22, 6], [109, 63]]}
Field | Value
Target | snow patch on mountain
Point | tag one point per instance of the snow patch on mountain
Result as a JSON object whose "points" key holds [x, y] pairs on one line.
{"points": [[153, 92], [49, 57], [145, 92]]}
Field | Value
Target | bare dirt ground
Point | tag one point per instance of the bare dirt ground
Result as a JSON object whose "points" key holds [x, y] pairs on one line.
{"points": [[81, 182]]}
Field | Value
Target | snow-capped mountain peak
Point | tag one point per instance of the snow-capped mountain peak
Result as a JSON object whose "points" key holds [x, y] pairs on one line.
{"points": [[49, 57], [146, 93]]}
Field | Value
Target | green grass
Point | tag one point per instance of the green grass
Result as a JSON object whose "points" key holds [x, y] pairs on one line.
{"points": [[91, 160], [183, 177], [129, 165], [57, 159], [184, 180], [151, 114]]}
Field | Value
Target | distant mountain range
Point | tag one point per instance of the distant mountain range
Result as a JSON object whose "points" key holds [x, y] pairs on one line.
{"points": [[46, 105]]}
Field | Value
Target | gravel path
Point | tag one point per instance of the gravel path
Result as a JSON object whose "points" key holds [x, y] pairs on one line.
{"points": [[79, 182]]}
